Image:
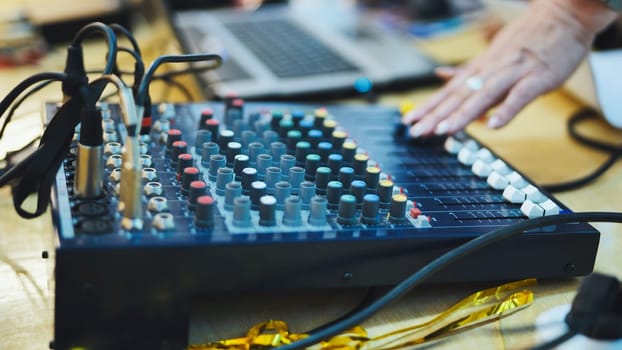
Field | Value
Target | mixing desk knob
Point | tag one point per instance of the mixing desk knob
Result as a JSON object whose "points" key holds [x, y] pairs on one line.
{"points": [[471, 145], [273, 175], [233, 190], [197, 189], [282, 191], [347, 210], [163, 222], [372, 177], [208, 149], [112, 148], [190, 174], [481, 168], [534, 210], [385, 192], [317, 213], [255, 149], [224, 137], [223, 177], [312, 162], [452, 146], [258, 190], [213, 125], [467, 156], [267, 214], [157, 204], [514, 195], [217, 161], [233, 149], [534, 194], [485, 155], [360, 165], [204, 212], [497, 181], [531, 209], [277, 149], [184, 161], [115, 175], [500, 167], [249, 175], [110, 136], [334, 190], [348, 151], [397, 212], [369, 214], [206, 114], [149, 174], [296, 177], [517, 180], [422, 221], [291, 214], [172, 136], [306, 191], [114, 161], [264, 161], [152, 189], [240, 162], [286, 162], [242, 212], [179, 147], [146, 161]]}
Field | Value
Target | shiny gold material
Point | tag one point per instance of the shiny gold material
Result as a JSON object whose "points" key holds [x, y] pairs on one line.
{"points": [[476, 309]]}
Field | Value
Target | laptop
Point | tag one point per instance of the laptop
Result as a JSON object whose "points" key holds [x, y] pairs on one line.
{"points": [[286, 50]]}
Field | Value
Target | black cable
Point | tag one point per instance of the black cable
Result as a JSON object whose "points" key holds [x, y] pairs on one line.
{"points": [[144, 86], [615, 153], [580, 116], [21, 87], [562, 338], [117, 28], [111, 41], [21, 100], [446, 259]]}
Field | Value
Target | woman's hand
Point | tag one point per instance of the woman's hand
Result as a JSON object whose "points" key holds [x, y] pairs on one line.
{"points": [[529, 57]]}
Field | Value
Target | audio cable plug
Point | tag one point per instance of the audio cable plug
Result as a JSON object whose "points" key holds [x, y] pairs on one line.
{"points": [[130, 194], [88, 182]]}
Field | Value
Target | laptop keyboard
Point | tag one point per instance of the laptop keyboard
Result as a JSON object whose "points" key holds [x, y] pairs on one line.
{"points": [[287, 50]]}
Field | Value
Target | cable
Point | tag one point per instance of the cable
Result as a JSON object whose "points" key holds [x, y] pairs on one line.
{"points": [[21, 87], [21, 100], [581, 116], [446, 259], [615, 153], [142, 91]]}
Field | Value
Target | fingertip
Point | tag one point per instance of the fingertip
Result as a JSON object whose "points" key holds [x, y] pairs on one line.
{"points": [[415, 131], [412, 116], [495, 122], [445, 72], [442, 128]]}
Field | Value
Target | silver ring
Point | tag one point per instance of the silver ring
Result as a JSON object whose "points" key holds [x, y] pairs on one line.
{"points": [[474, 83]]}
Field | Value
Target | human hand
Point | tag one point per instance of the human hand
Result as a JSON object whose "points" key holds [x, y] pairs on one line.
{"points": [[529, 57]]}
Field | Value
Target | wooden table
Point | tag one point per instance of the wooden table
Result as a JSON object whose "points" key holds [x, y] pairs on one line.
{"points": [[536, 143]]}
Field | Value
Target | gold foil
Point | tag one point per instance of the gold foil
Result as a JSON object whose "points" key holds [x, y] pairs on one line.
{"points": [[476, 309]]}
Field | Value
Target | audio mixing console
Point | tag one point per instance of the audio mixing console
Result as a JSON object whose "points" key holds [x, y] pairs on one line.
{"points": [[258, 196]]}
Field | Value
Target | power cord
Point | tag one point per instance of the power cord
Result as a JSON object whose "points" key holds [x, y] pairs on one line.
{"points": [[615, 153], [443, 261]]}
